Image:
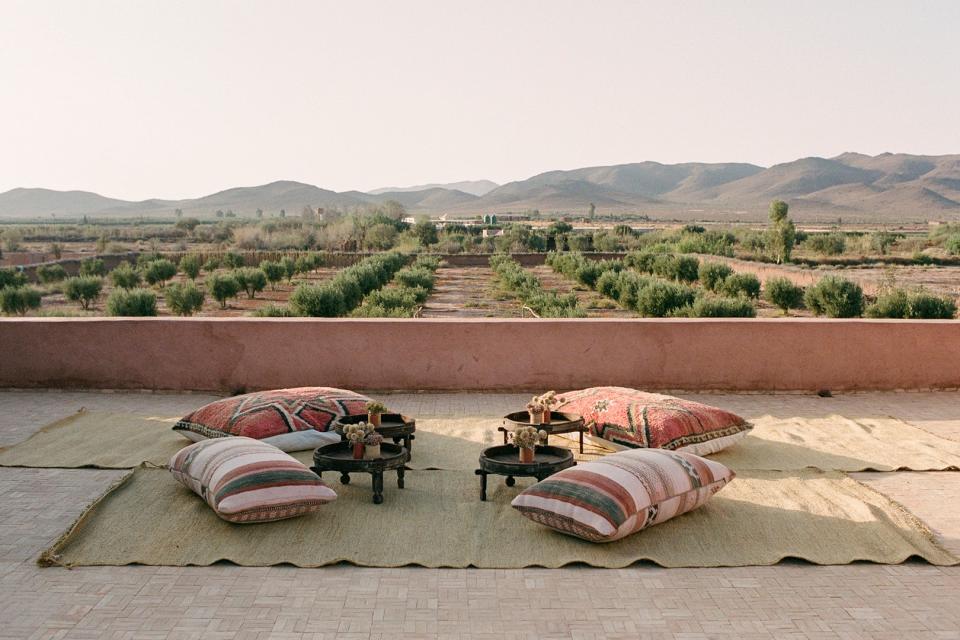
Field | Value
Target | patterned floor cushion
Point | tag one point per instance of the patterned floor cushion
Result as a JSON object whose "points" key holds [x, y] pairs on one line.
{"points": [[290, 419], [246, 480], [622, 493], [631, 419]]}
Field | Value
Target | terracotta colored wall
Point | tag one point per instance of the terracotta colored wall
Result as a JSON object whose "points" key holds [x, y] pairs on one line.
{"points": [[228, 354]]}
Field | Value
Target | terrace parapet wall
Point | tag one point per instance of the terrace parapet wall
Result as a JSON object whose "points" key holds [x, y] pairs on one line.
{"points": [[232, 354]]}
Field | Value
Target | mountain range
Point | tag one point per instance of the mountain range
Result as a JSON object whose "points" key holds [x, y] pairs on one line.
{"points": [[855, 187]]}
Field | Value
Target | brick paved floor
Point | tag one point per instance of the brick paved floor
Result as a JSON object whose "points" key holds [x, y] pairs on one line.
{"points": [[790, 600]]}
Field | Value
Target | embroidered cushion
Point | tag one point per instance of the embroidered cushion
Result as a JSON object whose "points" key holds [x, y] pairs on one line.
{"points": [[631, 418], [246, 480], [622, 493], [290, 419]]}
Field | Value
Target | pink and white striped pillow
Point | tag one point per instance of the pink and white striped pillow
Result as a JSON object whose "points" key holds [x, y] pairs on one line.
{"points": [[622, 493], [246, 480]]}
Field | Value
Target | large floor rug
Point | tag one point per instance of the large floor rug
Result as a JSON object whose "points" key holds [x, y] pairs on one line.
{"points": [[439, 521], [118, 441]]}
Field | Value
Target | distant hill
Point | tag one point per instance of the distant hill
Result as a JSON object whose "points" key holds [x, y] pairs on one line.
{"points": [[885, 188], [473, 187], [18, 202]]}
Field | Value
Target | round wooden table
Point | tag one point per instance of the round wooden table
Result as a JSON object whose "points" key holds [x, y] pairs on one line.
{"points": [[339, 457], [559, 423], [504, 460], [393, 426]]}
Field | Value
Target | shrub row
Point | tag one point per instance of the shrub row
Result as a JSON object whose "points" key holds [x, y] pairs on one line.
{"points": [[411, 287], [662, 289], [346, 290], [917, 304], [547, 304]]}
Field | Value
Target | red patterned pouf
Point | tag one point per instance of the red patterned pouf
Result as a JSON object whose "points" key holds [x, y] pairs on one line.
{"points": [[634, 419], [291, 419]]}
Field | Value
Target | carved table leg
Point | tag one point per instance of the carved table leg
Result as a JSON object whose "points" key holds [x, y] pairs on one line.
{"points": [[483, 484], [378, 487], [400, 471], [344, 478]]}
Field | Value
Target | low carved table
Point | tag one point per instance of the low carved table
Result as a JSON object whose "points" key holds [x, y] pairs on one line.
{"points": [[559, 423], [393, 426], [504, 460], [339, 457]]}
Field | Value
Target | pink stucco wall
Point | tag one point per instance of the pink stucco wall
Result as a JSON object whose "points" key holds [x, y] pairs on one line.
{"points": [[229, 354]]}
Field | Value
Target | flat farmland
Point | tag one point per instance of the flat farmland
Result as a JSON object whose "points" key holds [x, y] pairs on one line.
{"points": [[55, 303], [472, 292]]}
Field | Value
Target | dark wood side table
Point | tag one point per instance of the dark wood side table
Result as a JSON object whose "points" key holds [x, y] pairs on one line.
{"points": [[339, 457], [559, 423], [393, 426], [504, 460]]}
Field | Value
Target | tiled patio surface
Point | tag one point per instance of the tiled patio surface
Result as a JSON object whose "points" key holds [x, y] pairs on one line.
{"points": [[790, 600]]}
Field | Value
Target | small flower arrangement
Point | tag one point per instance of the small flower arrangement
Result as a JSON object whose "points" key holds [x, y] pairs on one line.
{"points": [[526, 440], [374, 410], [376, 407], [357, 433], [548, 401], [528, 437], [535, 408], [371, 447]]}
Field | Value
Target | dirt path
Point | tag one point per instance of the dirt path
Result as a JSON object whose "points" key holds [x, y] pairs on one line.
{"points": [[467, 292], [597, 306]]}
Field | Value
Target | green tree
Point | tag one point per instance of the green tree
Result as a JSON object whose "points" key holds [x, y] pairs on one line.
{"points": [[712, 274], [319, 301], [83, 289], [233, 260], [426, 232], [184, 299], [782, 293], [741, 284], [289, 267], [125, 276], [781, 233], [190, 265], [222, 287], [132, 302], [48, 273], [157, 272], [835, 297], [93, 267], [251, 280], [19, 300], [381, 236], [12, 278], [274, 272]]}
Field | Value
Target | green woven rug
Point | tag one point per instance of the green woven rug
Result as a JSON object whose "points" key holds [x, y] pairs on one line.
{"points": [[438, 520]]}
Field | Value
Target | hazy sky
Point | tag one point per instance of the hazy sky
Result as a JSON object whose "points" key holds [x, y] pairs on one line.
{"points": [[139, 99]]}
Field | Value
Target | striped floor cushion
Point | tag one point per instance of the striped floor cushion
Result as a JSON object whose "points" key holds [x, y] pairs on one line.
{"points": [[246, 480], [290, 419], [630, 419], [620, 494]]}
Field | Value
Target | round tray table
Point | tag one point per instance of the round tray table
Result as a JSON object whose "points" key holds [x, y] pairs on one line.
{"points": [[339, 457], [393, 426], [559, 423], [504, 460]]}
